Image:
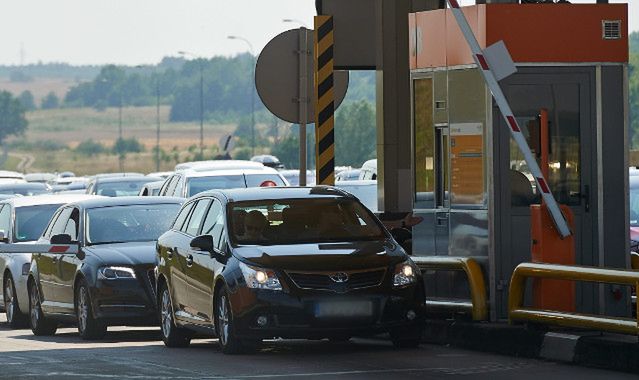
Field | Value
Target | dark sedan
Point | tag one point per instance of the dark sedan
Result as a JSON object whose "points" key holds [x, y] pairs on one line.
{"points": [[111, 281], [253, 264]]}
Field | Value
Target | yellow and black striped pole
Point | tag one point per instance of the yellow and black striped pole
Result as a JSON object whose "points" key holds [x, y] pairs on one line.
{"points": [[324, 106]]}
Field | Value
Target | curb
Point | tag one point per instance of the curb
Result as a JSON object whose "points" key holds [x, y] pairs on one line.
{"points": [[584, 348]]}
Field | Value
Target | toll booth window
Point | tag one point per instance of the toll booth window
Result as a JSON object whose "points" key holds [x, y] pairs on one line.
{"points": [[523, 188], [424, 143]]}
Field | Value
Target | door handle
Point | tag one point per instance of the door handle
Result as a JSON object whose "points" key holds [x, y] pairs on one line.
{"points": [[189, 260], [169, 253]]}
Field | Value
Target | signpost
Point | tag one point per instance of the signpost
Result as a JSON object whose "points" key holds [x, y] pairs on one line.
{"points": [[284, 82]]}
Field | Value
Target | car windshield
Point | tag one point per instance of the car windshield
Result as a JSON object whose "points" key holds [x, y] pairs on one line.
{"points": [[120, 189], [197, 185], [121, 224], [297, 221], [634, 204], [32, 220]]}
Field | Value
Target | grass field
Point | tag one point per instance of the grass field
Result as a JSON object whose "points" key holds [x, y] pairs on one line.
{"points": [[71, 126]]}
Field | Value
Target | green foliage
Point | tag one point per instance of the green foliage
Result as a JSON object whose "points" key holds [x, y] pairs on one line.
{"points": [[36, 145], [355, 134], [90, 148], [26, 99], [50, 101], [12, 119], [19, 76], [633, 41], [288, 149], [123, 146]]}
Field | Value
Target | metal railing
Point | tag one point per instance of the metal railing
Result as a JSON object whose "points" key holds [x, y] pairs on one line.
{"points": [[477, 307], [518, 312]]}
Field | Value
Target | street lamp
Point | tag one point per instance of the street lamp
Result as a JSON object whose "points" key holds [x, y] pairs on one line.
{"points": [[200, 60], [252, 91]]}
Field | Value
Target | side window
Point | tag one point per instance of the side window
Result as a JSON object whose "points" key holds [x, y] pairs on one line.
{"points": [[5, 219], [90, 188], [179, 186], [197, 215], [71, 228], [60, 225], [170, 186], [54, 218], [214, 223], [179, 221]]}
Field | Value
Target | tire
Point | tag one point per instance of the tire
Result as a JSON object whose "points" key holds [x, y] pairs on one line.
{"points": [[40, 325], [15, 318], [409, 337], [172, 335], [89, 327], [229, 343]]}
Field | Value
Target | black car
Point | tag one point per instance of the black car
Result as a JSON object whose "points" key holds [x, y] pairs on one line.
{"points": [[111, 281], [253, 264]]}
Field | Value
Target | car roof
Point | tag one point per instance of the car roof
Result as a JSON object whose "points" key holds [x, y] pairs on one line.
{"points": [[125, 201], [128, 179], [218, 165], [277, 192], [24, 185], [226, 172], [10, 174], [48, 199]]}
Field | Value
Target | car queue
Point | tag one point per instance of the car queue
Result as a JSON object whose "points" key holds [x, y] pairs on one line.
{"points": [[244, 258]]}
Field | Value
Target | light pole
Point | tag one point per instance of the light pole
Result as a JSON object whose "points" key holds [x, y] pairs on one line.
{"points": [[201, 62], [157, 116], [250, 46]]}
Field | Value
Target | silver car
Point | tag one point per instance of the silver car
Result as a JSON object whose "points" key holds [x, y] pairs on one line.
{"points": [[22, 220]]}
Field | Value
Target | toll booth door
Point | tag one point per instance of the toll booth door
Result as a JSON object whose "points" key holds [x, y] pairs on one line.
{"points": [[567, 97]]}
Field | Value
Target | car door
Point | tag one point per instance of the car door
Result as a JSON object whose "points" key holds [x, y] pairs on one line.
{"points": [[174, 269], [67, 264], [187, 254], [206, 268], [5, 227], [48, 265]]}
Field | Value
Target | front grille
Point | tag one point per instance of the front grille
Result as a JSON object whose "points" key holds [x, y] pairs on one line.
{"points": [[323, 281]]}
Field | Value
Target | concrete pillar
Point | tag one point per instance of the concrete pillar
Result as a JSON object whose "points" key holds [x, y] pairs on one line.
{"points": [[394, 174]]}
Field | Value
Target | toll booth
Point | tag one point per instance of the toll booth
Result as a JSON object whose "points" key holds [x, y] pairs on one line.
{"points": [[471, 183]]}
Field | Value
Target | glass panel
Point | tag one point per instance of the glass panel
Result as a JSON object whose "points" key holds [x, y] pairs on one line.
{"points": [[197, 216], [523, 188], [442, 158], [467, 164], [424, 143]]}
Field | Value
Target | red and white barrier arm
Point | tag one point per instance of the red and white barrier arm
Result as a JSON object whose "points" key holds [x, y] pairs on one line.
{"points": [[71, 249], [515, 131]]}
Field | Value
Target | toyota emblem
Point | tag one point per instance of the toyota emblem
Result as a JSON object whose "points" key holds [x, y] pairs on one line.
{"points": [[339, 277]]}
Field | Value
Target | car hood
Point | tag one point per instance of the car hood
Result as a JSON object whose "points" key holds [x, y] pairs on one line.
{"points": [[322, 257], [129, 254]]}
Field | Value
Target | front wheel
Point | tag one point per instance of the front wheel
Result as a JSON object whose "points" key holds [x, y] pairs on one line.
{"points": [[15, 318], [89, 327], [40, 325], [172, 335], [229, 342]]}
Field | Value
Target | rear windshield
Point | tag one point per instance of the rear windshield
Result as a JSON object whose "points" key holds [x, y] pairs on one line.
{"points": [[120, 189], [200, 184], [295, 221], [121, 224], [32, 220]]}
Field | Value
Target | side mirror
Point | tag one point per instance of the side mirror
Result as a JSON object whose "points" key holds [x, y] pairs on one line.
{"points": [[203, 243], [3, 237], [61, 239], [80, 255]]}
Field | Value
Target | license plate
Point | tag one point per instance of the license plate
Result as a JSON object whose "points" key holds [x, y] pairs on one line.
{"points": [[344, 309]]}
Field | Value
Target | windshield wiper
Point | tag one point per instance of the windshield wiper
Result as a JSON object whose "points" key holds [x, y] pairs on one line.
{"points": [[108, 242]]}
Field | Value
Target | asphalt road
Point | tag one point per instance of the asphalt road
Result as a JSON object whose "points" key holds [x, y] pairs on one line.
{"points": [[139, 354]]}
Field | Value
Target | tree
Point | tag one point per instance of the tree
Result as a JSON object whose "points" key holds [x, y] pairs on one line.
{"points": [[12, 120], [26, 99], [50, 101], [288, 149], [633, 87], [90, 148], [355, 134]]}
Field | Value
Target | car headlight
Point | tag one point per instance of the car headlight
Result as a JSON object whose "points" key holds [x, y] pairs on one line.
{"points": [[405, 274], [260, 278], [114, 273]]}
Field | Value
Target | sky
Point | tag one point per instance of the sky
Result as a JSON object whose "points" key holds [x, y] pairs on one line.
{"points": [[133, 32]]}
